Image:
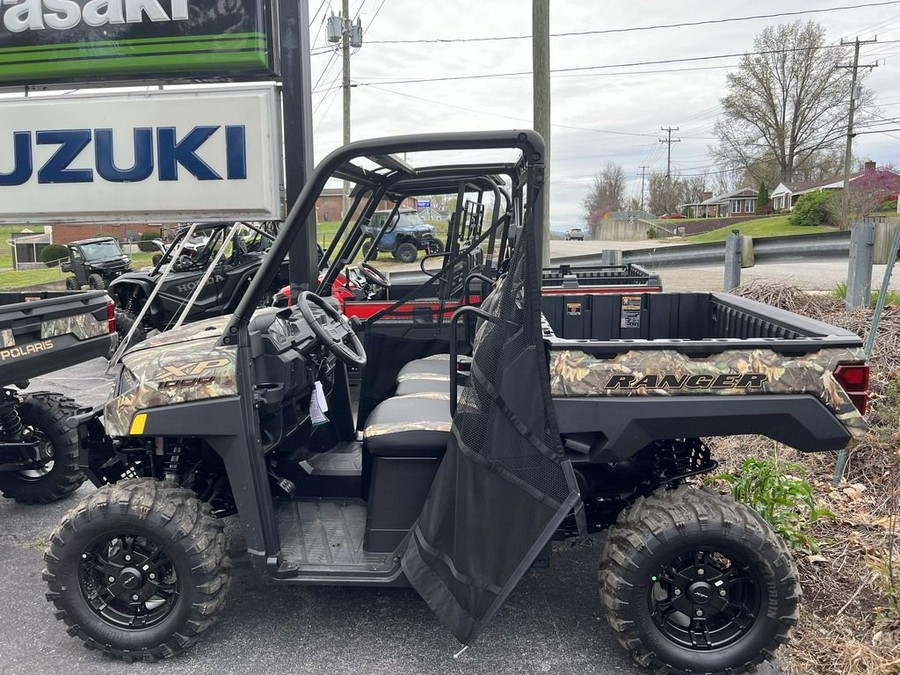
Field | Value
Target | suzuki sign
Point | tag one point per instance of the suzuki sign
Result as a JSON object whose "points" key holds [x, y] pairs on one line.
{"points": [[67, 41], [161, 156]]}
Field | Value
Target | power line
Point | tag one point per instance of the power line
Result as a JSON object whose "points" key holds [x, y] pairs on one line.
{"points": [[484, 76], [633, 29]]}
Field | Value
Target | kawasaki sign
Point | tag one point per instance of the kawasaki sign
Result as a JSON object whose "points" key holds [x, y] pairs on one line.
{"points": [[159, 156], [67, 41]]}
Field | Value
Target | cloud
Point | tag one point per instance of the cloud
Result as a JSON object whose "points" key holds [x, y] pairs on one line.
{"points": [[599, 116]]}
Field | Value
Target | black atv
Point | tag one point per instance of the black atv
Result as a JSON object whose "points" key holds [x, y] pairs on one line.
{"points": [[208, 254], [95, 262]]}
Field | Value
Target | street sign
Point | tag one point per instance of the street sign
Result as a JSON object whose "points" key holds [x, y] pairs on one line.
{"points": [[423, 204], [91, 41], [159, 156]]}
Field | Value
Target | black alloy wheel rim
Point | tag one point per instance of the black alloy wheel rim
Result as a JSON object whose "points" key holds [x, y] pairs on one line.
{"points": [[46, 452], [128, 581], [704, 599]]}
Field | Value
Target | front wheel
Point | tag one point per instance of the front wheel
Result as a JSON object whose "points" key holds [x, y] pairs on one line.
{"points": [[406, 252], [694, 582], [138, 570], [44, 418]]}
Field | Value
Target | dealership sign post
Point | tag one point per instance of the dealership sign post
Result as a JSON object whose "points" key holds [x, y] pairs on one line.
{"points": [[91, 41], [159, 156]]}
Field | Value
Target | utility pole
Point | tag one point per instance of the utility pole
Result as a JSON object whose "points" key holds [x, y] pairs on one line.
{"points": [[341, 29], [848, 152], [643, 173], [540, 40], [345, 86], [668, 141]]}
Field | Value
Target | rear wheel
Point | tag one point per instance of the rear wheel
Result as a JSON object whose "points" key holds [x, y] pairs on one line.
{"points": [[44, 418], [139, 570], [97, 282], [72, 284], [406, 252], [693, 582]]}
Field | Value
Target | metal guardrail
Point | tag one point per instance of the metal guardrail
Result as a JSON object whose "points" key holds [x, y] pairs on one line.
{"points": [[822, 246]]}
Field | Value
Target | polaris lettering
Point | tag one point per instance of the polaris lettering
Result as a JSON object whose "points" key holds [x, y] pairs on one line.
{"points": [[167, 156], [26, 350], [31, 15], [723, 381]]}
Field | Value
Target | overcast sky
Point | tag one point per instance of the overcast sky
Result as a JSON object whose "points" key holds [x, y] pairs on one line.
{"points": [[610, 112]]}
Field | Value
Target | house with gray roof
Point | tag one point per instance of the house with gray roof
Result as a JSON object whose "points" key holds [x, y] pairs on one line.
{"points": [[738, 203]]}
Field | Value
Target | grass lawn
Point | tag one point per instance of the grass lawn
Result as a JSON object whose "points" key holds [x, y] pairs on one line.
{"points": [[775, 226], [326, 230], [18, 279]]}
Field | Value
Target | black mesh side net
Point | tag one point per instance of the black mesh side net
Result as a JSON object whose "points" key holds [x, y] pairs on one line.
{"points": [[503, 487]]}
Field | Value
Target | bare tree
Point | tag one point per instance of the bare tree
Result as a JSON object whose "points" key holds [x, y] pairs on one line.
{"points": [[664, 194], [786, 108], [607, 193], [693, 188]]}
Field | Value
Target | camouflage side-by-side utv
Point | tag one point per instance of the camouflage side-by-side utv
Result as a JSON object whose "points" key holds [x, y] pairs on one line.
{"points": [[456, 480]]}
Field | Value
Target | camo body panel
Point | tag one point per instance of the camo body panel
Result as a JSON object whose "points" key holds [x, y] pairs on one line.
{"points": [[82, 326], [402, 427], [578, 374], [212, 369], [6, 338]]}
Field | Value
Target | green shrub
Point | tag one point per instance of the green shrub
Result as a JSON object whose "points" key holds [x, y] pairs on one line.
{"points": [[652, 233], [54, 253], [892, 297], [146, 243], [780, 493], [814, 209], [888, 205]]}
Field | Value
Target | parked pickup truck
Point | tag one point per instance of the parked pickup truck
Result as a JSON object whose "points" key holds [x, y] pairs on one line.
{"points": [[41, 332]]}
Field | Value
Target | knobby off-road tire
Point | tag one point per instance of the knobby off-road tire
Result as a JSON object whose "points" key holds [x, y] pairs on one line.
{"points": [[406, 252], [97, 282], [683, 560], [72, 284], [138, 570], [44, 416]]}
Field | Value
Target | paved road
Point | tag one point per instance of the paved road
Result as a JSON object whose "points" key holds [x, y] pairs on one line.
{"points": [[818, 276], [550, 624]]}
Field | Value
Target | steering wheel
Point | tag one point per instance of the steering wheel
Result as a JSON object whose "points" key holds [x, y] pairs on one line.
{"points": [[334, 333], [183, 263], [372, 275]]}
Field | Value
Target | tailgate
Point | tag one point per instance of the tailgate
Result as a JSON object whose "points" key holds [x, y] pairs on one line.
{"points": [[43, 332]]}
